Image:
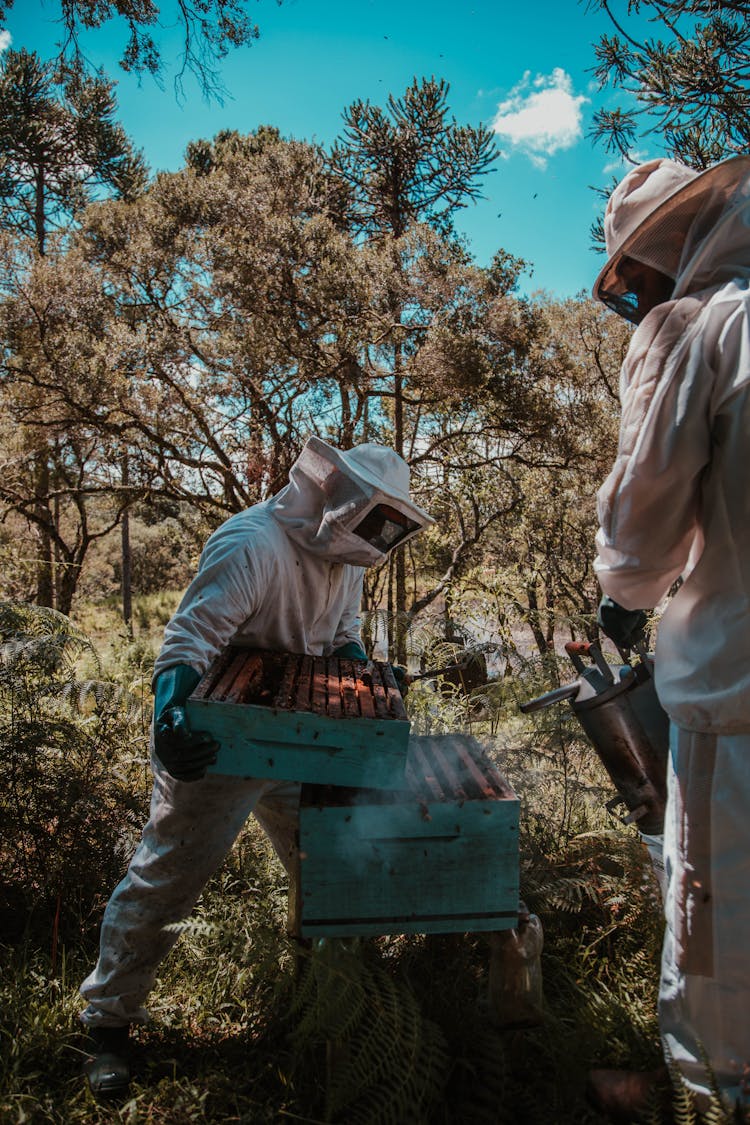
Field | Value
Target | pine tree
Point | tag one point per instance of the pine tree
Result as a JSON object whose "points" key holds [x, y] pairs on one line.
{"points": [[209, 28], [687, 83], [60, 146], [407, 164]]}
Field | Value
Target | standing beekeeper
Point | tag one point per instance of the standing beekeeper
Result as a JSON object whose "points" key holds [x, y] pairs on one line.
{"points": [[285, 575], [674, 518]]}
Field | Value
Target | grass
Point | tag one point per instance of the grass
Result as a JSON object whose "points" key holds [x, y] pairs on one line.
{"points": [[236, 1037], [222, 1044]]}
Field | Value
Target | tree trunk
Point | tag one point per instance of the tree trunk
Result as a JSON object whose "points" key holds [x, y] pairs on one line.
{"points": [[39, 217], [534, 619], [71, 569], [45, 591], [56, 557], [400, 625], [127, 559]]}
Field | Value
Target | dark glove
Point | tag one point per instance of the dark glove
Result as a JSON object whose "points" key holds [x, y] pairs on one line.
{"points": [[185, 754], [350, 651], [623, 626], [401, 676]]}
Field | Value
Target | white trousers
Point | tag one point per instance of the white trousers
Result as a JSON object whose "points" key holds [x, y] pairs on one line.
{"points": [[191, 827], [704, 997]]}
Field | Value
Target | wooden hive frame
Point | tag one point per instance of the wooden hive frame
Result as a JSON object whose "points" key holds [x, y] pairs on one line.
{"points": [[303, 718]]}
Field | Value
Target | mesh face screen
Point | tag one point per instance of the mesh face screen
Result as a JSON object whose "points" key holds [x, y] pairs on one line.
{"points": [[663, 246], [624, 304], [638, 287], [668, 241], [384, 526]]}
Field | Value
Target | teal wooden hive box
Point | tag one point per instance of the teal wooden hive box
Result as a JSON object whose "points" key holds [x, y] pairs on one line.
{"points": [[303, 718], [440, 856]]}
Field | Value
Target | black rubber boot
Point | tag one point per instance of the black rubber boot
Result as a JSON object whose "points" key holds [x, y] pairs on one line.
{"points": [[108, 1066]]}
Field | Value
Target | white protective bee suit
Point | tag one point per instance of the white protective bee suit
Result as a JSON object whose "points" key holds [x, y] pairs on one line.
{"points": [[284, 575], [676, 505]]}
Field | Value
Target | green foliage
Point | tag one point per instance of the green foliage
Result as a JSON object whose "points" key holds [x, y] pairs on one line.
{"points": [[684, 78], [209, 29], [410, 163], [71, 770], [59, 143], [405, 1023], [38, 1037]]}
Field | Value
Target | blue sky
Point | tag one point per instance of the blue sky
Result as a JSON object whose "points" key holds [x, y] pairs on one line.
{"points": [[523, 69]]}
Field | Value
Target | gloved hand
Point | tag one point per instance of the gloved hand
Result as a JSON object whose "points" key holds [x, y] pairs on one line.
{"points": [[185, 754], [350, 651], [623, 626], [401, 676]]}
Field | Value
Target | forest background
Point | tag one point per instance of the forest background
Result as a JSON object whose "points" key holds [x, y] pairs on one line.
{"points": [[167, 344]]}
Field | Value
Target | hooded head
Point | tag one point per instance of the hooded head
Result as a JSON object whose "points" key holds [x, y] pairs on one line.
{"points": [[348, 506], [693, 228]]}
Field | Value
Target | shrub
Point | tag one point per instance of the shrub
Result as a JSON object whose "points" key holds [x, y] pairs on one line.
{"points": [[71, 777]]}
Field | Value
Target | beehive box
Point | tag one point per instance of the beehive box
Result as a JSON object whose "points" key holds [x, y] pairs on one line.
{"points": [[303, 718], [438, 857]]}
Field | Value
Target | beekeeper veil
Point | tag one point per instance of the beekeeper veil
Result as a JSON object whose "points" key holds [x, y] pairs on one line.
{"points": [[693, 227], [348, 506]]}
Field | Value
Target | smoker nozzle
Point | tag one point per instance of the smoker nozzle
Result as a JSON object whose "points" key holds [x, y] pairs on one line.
{"points": [[557, 695]]}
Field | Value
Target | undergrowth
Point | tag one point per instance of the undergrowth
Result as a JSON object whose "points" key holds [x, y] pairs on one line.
{"points": [[248, 1026]]}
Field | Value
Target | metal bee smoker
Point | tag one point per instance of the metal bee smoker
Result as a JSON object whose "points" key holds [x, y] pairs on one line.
{"points": [[618, 709]]}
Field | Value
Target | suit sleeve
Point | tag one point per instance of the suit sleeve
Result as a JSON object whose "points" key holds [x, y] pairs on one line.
{"points": [[217, 602], [649, 505]]}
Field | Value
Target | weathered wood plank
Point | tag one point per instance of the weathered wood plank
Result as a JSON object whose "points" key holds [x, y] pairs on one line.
{"points": [[248, 679], [319, 702], [479, 783], [285, 694], [363, 686], [421, 775], [493, 774], [415, 861], [406, 870], [216, 669], [227, 679], [379, 696], [304, 685], [301, 746], [441, 755], [425, 924], [350, 704], [334, 690]]}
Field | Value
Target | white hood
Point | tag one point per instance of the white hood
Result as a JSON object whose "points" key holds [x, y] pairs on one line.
{"points": [[689, 226], [717, 246], [329, 493]]}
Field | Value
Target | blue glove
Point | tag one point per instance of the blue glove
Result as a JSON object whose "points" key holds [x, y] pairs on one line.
{"points": [[623, 626], [350, 651], [401, 676], [185, 754]]}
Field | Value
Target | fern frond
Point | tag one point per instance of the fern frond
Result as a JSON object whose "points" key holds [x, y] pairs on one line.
{"points": [[389, 1063], [41, 639], [84, 696]]}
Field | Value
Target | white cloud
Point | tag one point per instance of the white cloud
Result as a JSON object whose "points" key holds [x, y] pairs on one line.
{"points": [[541, 116], [5, 40]]}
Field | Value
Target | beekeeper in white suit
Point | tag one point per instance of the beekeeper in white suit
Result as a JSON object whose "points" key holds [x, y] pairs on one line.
{"points": [[284, 575], [676, 506]]}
